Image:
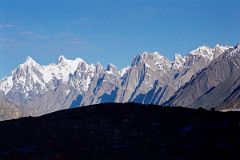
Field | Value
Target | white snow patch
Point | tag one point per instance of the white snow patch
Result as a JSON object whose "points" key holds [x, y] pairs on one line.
{"points": [[124, 71], [6, 84], [109, 72], [67, 91]]}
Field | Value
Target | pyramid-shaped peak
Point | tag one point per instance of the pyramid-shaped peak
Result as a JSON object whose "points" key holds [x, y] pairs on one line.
{"points": [[28, 65], [30, 61]]}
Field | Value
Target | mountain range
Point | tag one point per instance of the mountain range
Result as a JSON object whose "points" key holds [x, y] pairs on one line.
{"points": [[206, 77]]}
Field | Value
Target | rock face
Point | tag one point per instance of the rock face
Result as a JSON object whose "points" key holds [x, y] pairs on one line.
{"points": [[148, 72], [9, 110], [218, 85], [151, 79]]}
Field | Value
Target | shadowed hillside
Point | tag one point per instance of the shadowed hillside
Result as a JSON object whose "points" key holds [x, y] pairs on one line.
{"points": [[123, 131]]}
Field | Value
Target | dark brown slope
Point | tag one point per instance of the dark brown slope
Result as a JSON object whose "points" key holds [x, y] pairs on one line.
{"points": [[123, 131]]}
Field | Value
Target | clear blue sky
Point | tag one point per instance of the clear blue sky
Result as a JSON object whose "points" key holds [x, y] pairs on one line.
{"points": [[111, 31]]}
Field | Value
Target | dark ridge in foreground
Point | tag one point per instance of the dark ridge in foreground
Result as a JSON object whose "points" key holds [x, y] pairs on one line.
{"points": [[123, 131]]}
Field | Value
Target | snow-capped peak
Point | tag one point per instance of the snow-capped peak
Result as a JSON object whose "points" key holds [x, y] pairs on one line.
{"points": [[124, 71], [203, 51], [63, 69], [64, 60], [111, 69], [218, 45], [61, 59], [179, 58], [199, 49], [33, 78], [29, 61], [209, 53], [179, 61], [219, 49], [222, 47], [30, 65], [148, 57], [151, 56]]}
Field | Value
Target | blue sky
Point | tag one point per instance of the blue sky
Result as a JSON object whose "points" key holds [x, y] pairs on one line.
{"points": [[111, 31]]}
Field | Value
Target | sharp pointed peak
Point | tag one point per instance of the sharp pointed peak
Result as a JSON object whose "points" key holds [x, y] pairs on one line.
{"points": [[29, 58], [30, 61]]}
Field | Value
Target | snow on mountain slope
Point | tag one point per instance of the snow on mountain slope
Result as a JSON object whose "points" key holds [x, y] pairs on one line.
{"points": [[215, 86], [151, 78], [179, 61], [183, 68]]}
